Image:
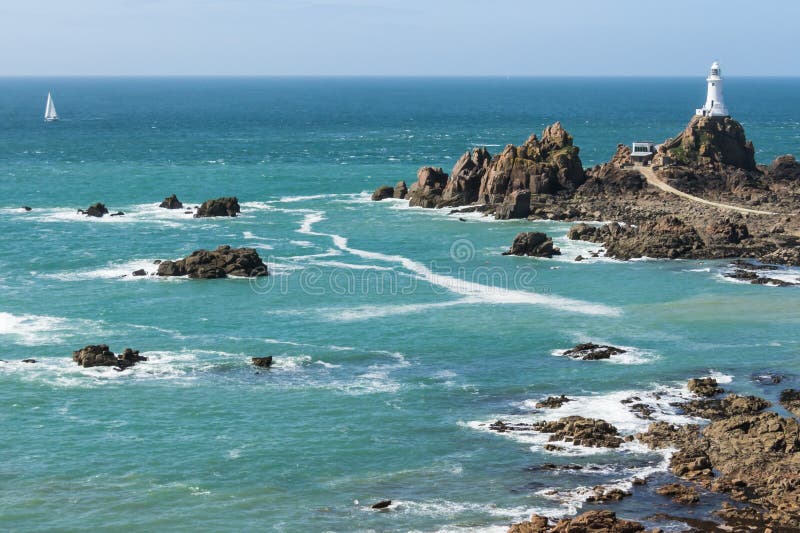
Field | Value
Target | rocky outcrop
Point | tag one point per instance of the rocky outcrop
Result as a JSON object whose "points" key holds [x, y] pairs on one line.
{"points": [[705, 387], [581, 431], [383, 192], [171, 202], [589, 522], [667, 237], [220, 263], [542, 166], [428, 189], [727, 407], [95, 210], [400, 190], [221, 207], [553, 402], [100, 355], [710, 141], [679, 493], [516, 204], [465, 182], [593, 352], [534, 244], [790, 399]]}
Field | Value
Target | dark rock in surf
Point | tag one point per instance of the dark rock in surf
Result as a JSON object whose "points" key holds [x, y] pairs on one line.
{"points": [[100, 355], [705, 387], [534, 244], [382, 192], [790, 399], [221, 207], [553, 402], [593, 352], [171, 202], [94, 210], [263, 362], [383, 504], [220, 263], [428, 189], [400, 190], [140, 272], [27, 208], [29, 360]]}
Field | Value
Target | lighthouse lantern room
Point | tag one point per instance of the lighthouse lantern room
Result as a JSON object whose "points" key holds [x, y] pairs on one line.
{"points": [[715, 104]]}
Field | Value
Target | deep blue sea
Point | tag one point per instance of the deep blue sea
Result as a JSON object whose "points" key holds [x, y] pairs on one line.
{"points": [[398, 333]]}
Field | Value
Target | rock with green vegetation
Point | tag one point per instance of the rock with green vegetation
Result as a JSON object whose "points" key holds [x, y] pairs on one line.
{"points": [[710, 141]]}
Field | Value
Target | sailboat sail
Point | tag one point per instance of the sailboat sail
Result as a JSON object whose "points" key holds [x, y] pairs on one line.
{"points": [[50, 111]]}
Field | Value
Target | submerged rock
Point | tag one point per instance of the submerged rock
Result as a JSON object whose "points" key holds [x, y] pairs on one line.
{"points": [[27, 208], [29, 361], [534, 244], [593, 352], [680, 493], [220, 263], [171, 202], [221, 207], [553, 402]]}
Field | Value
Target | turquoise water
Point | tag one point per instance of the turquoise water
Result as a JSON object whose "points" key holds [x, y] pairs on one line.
{"points": [[398, 333]]}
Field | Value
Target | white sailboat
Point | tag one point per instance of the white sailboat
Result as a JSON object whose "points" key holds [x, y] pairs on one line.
{"points": [[50, 111]]}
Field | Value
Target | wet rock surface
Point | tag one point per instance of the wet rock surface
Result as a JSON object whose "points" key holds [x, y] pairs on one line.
{"points": [[100, 355], [171, 202], [593, 352], [581, 431], [220, 263], [553, 402], [533, 244], [588, 522], [705, 387], [220, 207], [790, 399], [95, 210]]}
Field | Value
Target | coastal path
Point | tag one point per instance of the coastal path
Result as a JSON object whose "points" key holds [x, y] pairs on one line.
{"points": [[650, 175]]}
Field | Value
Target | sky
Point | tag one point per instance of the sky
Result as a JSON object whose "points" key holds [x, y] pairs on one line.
{"points": [[398, 37]]}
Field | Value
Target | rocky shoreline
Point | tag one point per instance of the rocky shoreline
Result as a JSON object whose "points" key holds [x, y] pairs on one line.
{"points": [[745, 453], [544, 179]]}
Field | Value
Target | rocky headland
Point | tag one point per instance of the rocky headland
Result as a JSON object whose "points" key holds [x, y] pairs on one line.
{"points": [[711, 160]]}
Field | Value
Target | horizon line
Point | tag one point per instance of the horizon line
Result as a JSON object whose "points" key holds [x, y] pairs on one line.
{"points": [[393, 76]]}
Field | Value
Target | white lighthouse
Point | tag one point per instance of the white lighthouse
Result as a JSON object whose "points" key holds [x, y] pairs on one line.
{"points": [[715, 104]]}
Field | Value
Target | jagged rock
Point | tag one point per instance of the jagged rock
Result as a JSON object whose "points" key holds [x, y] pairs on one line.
{"points": [[382, 192], [517, 204], [428, 189], [593, 352], [705, 387], [534, 244], [596, 522], [683, 494], [790, 399], [581, 431], [94, 210], [264, 362], [691, 462], [171, 202], [100, 355], [553, 402], [731, 405], [603, 494], [221, 207], [400, 190], [220, 263], [537, 524], [543, 166], [665, 435], [465, 182], [622, 156], [708, 141]]}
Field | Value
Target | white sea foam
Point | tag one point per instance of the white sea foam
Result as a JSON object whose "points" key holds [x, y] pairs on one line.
{"points": [[308, 222], [292, 199], [36, 330], [112, 270], [302, 244], [477, 291], [445, 509], [367, 312]]}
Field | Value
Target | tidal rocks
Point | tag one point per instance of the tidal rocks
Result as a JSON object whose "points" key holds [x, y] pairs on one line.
{"points": [[220, 263], [709, 141], [754, 279], [465, 182], [428, 189], [400, 190], [100, 355], [534, 244], [589, 522], [263, 362], [601, 494], [593, 352], [383, 504], [140, 272], [382, 192], [705, 387], [728, 406], [516, 204], [790, 399], [95, 210], [553, 402], [542, 166], [171, 202], [679, 493], [30, 361], [221, 207], [581, 431]]}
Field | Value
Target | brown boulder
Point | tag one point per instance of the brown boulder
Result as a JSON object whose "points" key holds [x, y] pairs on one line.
{"points": [[100, 355], [534, 244], [710, 141], [400, 190], [465, 182], [220, 263], [790, 399], [171, 202], [427, 191], [581, 431], [593, 352], [517, 204], [683, 494], [706, 387], [553, 402], [382, 192], [220, 207]]}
